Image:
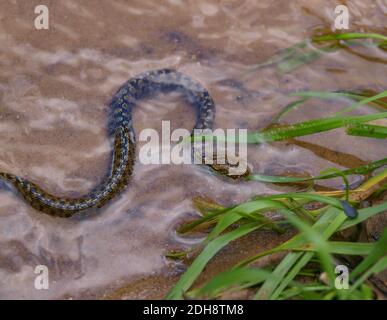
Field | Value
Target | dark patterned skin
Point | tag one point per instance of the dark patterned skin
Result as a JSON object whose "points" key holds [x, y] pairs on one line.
{"points": [[121, 129]]}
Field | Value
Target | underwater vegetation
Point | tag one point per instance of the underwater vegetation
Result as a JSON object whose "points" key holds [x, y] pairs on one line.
{"points": [[312, 256]]}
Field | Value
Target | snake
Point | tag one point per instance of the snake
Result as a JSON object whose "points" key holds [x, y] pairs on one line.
{"points": [[120, 130]]}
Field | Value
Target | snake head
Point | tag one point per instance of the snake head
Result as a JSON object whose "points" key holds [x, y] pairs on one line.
{"points": [[232, 167]]}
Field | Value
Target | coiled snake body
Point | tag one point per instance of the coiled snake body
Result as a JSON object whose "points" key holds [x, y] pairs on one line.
{"points": [[121, 129]]}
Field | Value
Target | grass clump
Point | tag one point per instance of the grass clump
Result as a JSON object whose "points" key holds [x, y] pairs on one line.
{"points": [[309, 268]]}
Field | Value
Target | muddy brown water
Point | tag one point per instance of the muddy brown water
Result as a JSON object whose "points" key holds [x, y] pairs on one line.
{"points": [[54, 88]]}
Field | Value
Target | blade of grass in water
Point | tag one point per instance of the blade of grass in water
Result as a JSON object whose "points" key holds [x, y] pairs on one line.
{"points": [[289, 107], [294, 262], [282, 55], [247, 277], [378, 251], [359, 170], [340, 247], [298, 129], [364, 214], [295, 130], [254, 207], [301, 58], [379, 266], [243, 277], [204, 257], [262, 203], [290, 266], [326, 220], [367, 130], [342, 94], [303, 195], [360, 103], [349, 36], [361, 100], [375, 262], [362, 94], [306, 291], [304, 52], [215, 242], [310, 127], [298, 241], [234, 216], [331, 221]]}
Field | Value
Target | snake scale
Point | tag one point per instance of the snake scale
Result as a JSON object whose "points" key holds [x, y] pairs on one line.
{"points": [[120, 128]]}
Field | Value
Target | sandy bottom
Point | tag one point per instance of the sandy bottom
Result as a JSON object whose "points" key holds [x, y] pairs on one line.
{"points": [[55, 86]]}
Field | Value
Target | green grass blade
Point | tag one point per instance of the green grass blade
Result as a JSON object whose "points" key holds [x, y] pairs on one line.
{"points": [[215, 242], [367, 130], [363, 102], [341, 247], [288, 108], [342, 94], [306, 95], [310, 127], [312, 235], [301, 58], [307, 196], [300, 290], [327, 233], [349, 36], [295, 130], [242, 277], [364, 214], [358, 170], [378, 267], [294, 270], [379, 250], [289, 267], [325, 220], [188, 278], [269, 286], [332, 221], [233, 215]]}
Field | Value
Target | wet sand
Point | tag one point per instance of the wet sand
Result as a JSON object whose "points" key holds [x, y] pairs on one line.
{"points": [[55, 86]]}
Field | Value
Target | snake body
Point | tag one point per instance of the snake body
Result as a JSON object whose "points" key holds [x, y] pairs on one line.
{"points": [[120, 128]]}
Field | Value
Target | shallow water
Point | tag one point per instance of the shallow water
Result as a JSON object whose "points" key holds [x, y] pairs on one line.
{"points": [[54, 89]]}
